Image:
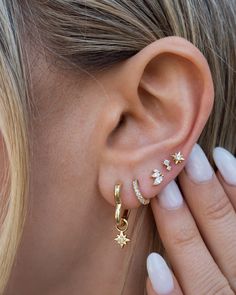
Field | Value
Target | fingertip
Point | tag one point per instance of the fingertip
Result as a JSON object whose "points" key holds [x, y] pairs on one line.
{"points": [[159, 274], [226, 164]]}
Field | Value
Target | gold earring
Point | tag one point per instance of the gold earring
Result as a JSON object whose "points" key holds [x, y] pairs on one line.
{"points": [[138, 194], [121, 222], [177, 157]]}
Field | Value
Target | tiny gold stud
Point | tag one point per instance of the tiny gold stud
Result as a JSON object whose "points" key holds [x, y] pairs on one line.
{"points": [[177, 157]]}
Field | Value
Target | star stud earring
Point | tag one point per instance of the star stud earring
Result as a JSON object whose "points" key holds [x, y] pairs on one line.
{"points": [[158, 177], [177, 157]]}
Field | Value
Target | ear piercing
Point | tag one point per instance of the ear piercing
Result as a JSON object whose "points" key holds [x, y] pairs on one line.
{"points": [[138, 194], [121, 222], [177, 157], [158, 177], [166, 163]]}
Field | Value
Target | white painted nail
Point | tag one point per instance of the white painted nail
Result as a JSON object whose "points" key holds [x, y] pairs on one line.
{"points": [[159, 274], [170, 197], [226, 163], [198, 167]]}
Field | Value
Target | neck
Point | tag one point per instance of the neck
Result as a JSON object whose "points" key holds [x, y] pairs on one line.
{"points": [[101, 266], [105, 267]]}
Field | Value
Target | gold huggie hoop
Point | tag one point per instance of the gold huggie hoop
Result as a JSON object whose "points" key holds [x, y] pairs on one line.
{"points": [[118, 204], [121, 222]]}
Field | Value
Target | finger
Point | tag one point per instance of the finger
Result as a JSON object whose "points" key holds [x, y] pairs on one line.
{"points": [[193, 265], [150, 290], [161, 280], [212, 211], [226, 163]]}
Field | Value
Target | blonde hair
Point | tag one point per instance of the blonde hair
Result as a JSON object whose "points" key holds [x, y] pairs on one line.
{"points": [[15, 148], [91, 36]]}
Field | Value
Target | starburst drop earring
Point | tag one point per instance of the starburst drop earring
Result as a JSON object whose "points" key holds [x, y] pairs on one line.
{"points": [[121, 222]]}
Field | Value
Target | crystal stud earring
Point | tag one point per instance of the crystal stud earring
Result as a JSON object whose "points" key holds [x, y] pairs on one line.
{"points": [[177, 157], [158, 177], [166, 163]]}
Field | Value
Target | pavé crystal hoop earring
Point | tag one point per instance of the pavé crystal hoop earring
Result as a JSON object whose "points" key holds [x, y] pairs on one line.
{"points": [[138, 194], [121, 222]]}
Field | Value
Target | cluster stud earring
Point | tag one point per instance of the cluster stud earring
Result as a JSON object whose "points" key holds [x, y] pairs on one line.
{"points": [[158, 177], [177, 157]]}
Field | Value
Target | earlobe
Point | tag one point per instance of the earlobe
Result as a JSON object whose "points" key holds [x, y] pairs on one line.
{"points": [[168, 93]]}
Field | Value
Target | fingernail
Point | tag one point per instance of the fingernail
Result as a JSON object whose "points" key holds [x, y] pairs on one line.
{"points": [[226, 163], [198, 167], [170, 197], [159, 274]]}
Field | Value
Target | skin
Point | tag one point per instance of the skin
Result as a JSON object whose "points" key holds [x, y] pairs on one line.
{"points": [[80, 150]]}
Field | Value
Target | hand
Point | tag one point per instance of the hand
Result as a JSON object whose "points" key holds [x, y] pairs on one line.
{"points": [[199, 232]]}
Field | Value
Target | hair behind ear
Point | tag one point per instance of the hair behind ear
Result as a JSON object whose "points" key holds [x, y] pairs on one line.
{"points": [[14, 146]]}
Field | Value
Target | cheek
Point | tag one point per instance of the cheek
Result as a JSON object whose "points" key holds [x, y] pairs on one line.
{"points": [[61, 194]]}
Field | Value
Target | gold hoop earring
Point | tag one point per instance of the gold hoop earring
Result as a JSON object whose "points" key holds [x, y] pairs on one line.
{"points": [[121, 222], [138, 194]]}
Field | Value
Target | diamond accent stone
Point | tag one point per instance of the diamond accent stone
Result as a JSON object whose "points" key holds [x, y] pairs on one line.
{"points": [[158, 177], [138, 194], [122, 239], [177, 157], [166, 163]]}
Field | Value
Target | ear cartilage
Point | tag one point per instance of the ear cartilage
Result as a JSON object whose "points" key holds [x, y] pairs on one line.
{"points": [[158, 177], [166, 163], [177, 157], [138, 194]]}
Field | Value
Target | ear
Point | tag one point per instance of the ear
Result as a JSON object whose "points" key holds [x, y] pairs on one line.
{"points": [[163, 97]]}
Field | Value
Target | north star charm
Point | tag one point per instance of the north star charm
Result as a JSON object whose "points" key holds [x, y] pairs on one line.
{"points": [[121, 239]]}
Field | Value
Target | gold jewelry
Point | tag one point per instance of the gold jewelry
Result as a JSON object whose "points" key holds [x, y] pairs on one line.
{"points": [[166, 163], [121, 222], [177, 157], [158, 177], [138, 194]]}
